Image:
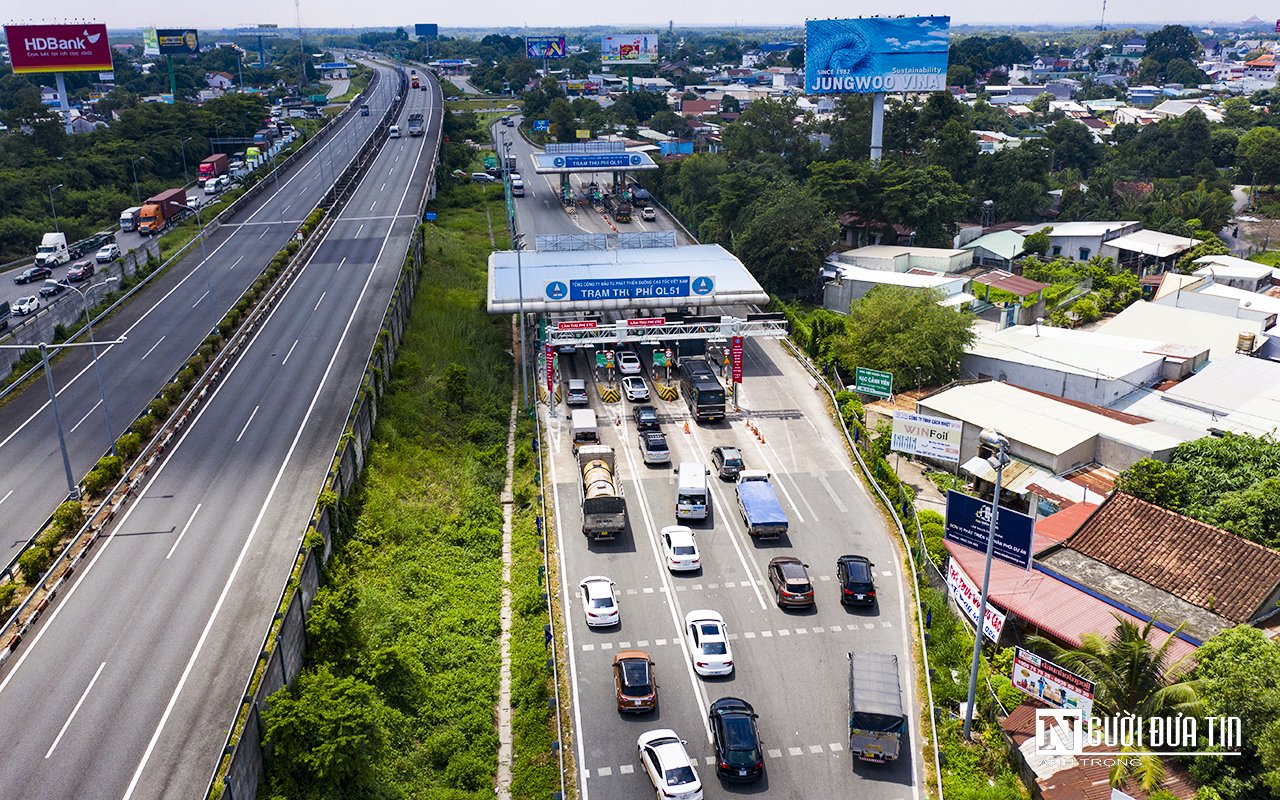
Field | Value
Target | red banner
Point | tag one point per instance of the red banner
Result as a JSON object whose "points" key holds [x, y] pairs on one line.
{"points": [[551, 374], [735, 358], [648, 322], [576, 325], [58, 48]]}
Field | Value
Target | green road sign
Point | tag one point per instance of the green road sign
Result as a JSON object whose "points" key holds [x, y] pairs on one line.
{"points": [[490, 162], [600, 359], [873, 381], [659, 358]]}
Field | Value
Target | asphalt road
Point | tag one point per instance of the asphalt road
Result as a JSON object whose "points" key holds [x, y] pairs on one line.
{"points": [[162, 325], [791, 666], [129, 686]]}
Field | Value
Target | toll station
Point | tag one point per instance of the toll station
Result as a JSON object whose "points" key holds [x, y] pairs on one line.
{"points": [[589, 158], [639, 292]]}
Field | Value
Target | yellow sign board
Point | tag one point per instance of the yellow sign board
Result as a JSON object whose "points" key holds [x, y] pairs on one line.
{"points": [[584, 134]]}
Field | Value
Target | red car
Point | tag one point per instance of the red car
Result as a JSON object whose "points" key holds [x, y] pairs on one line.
{"points": [[81, 270]]}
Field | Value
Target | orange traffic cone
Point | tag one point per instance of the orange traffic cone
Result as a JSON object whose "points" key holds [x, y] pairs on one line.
{"points": [[686, 427]]}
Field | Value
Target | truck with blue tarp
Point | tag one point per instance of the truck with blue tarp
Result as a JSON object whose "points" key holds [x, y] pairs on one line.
{"points": [[877, 722], [759, 506]]}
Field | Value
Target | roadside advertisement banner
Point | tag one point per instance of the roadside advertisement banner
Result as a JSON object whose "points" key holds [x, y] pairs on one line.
{"points": [[969, 523], [735, 358], [150, 43], [58, 48], [584, 133], [930, 437], [967, 597], [629, 48], [551, 373], [875, 54], [539, 47], [178, 41], [1050, 683], [426, 30]]}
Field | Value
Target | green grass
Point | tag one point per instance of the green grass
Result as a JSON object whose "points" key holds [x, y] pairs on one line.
{"points": [[403, 667], [358, 82], [1271, 258]]}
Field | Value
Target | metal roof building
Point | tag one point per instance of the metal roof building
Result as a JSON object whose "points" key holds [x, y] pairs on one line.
{"points": [[1184, 326]]}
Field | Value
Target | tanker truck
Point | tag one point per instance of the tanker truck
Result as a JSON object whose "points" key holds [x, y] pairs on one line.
{"points": [[604, 509]]}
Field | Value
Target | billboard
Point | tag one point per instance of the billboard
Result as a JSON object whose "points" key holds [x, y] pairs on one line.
{"points": [[930, 437], [1050, 683], [58, 48], [968, 598], [426, 30], [874, 54], [544, 47], [150, 43], [969, 522], [629, 48], [177, 41]]}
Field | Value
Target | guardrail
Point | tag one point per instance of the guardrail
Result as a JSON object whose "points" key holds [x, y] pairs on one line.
{"points": [[44, 590], [240, 764]]}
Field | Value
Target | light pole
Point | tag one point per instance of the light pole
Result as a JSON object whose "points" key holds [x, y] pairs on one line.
{"points": [[136, 195], [204, 262], [991, 438], [186, 176], [97, 367], [53, 189]]}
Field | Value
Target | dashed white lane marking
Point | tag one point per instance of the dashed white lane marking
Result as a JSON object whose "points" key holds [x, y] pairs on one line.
{"points": [[286, 355], [795, 751], [153, 347], [252, 414]]}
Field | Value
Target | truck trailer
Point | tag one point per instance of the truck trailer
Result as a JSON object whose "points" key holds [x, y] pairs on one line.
{"points": [[877, 722], [604, 509], [212, 167], [161, 211], [759, 506]]}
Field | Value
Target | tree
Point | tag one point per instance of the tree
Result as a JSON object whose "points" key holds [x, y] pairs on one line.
{"points": [[785, 239], [1156, 482], [1040, 103], [1210, 245], [906, 332], [1038, 242], [1131, 676], [769, 128], [1074, 146], [730, 105], [1172, 42], [1253, 513], [959, 75], [955, 149], [1259, 150]]}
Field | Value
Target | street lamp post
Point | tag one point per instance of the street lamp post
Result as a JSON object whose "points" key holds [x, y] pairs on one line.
{"points": [[204, 262], [186, 176], [97, 367], [991, 438], [53, 189], [136, 195]]}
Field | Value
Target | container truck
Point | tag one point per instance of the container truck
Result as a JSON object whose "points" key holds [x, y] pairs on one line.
{"points": [[161, 211], [52, 250], [876, 720], [213, 167], [129, 218], [604, 509], [759, 505], [415, 124]]}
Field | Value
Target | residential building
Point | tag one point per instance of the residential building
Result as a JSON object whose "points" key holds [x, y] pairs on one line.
{"points": [[1081, 240], [219, 80], [700, 107], [1143, 95], [1127, 115], [991, 141], [1223, 335], [1133, 46], [1238, 272], [1262, 68], [997, 249], [851, 282], [1147, 248], [896, 258], [1176, 108]]}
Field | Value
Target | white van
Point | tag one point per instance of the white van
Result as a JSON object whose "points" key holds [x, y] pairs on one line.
{"points": [[394, 132], [583, 421], [693, 499]]}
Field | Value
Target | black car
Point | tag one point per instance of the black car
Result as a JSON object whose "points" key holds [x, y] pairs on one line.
{"points": [[646, 418], [52, 288], [789, 577], [857, 582], [727, 460], [736, 739], [31, 274]]}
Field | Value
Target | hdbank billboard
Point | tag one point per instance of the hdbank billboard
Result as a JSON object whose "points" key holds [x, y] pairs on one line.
{"points": [[865, 56], [58, 48], [629, 48]]}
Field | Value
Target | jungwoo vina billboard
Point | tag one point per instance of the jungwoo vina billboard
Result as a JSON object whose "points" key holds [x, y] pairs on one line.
{"points": [[875, 54], [629, 48], [58, 48]]}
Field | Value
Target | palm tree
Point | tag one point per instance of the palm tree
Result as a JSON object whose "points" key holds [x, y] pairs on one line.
{"points": [[1132, 676]]}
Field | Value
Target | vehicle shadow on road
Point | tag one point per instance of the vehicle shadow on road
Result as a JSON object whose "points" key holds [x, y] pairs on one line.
{"points": [[624, 542], [759, 787]]}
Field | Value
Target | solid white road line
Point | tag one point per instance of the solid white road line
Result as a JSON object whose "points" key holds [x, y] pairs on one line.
{"points": [[190, 519], [286, 355], [75, 710], [252, 414]]}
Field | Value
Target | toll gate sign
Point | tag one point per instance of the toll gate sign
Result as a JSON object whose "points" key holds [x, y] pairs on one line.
{"points": [[551, 373], [735, 358]]}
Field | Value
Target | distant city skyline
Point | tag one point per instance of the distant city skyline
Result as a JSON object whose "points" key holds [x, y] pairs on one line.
{"points": [[580, 13]]}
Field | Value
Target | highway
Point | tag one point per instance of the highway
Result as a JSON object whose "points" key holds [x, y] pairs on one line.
{"points": [[163, 325], [790, 665], [130, 685]]}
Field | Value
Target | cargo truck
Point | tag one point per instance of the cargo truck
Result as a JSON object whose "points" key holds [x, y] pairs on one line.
{"points": [[161, 211], [604, 509], [212, 167], [876, 720], [52, 250], [415, 82], [759, 506], [415, 124], [129, 218]]}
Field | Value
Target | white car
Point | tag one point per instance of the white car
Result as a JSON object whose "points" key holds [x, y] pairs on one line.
{"points": [[648, 214], [26, 305], [599, 602], [107, 253], [668, 766], [708, 642], [635, 388], [680, 549], [628, 363]]}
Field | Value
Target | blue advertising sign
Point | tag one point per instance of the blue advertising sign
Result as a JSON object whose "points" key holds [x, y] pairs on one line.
{"points": [[542, 124], [426, 30], [969, 521], [875, 54], [544, 47], [598, 161]]}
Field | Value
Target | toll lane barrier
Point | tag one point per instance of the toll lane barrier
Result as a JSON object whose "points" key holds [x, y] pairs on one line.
{"points": [[609, 394], [668, 393]]}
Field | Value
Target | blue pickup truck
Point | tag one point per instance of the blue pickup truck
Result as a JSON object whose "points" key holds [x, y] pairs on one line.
{"points": [[759, 505]]}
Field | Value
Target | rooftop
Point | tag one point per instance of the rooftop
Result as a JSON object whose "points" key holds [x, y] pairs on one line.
{"points": [[1008, 282], [1153, 243], [1006, 244], [919, 279], [893, 251], [1063, 229], [1236, 393], [1183, 326], [1232, 267], [1062, 349]]}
